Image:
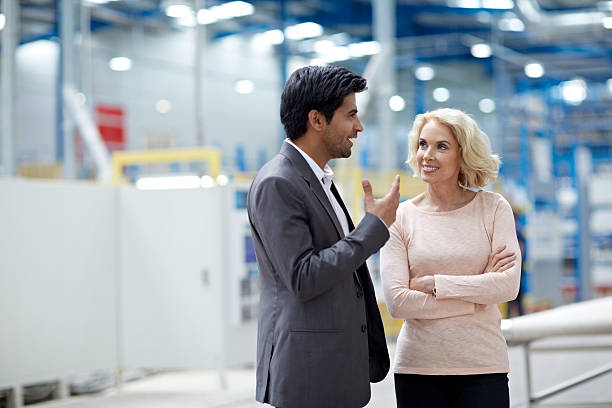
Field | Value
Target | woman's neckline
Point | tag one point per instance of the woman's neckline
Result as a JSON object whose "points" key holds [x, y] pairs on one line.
{"points": [[445, 212]]}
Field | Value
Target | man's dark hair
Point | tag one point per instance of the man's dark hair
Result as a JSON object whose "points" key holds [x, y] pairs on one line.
{"points": [[319, 88]]}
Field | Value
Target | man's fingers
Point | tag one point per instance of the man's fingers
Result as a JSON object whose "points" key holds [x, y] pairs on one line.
{"points": [[367, 189], [395, 185]]}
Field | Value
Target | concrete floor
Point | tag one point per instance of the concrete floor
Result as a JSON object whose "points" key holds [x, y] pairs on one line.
{"points": [[199, 389]]}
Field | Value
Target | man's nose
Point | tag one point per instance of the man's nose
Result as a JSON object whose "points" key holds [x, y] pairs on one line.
{"points": [[359, 126]]}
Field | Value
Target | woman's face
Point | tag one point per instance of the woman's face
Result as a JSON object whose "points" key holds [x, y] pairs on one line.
{"points": [[438, 155]]}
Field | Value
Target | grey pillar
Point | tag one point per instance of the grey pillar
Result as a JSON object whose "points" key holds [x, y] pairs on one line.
{"points": [[200, 46], [67, 64], [10, 39], [384, 33], [86, 78]]}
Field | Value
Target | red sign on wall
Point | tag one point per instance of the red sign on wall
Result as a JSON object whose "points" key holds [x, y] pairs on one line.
{"points": [[110, 120]]}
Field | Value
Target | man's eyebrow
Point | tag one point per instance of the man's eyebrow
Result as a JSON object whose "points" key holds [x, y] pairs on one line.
{"points": [[353, 111]]}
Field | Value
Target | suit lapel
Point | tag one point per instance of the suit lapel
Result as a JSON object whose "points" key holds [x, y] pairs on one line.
{"points": [[315, 185]]}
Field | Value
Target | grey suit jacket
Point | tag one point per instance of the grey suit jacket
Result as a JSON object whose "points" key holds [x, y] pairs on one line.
{"points": [[320, 338]]}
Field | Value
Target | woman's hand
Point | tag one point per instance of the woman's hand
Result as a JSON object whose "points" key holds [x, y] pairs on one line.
{"points": [[500, 260], [423, 284]]}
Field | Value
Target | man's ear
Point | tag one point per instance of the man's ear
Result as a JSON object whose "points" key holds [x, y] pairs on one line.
{"points": [[316, 120]]}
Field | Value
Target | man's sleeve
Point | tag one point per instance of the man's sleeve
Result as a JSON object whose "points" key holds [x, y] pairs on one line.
{"points": [[281, 219]]}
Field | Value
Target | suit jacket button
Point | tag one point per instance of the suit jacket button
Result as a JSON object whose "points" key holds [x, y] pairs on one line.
{"points": [[363, 328]]}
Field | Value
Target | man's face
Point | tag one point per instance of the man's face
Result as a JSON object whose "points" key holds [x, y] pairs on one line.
{"points": [[345, 125]]}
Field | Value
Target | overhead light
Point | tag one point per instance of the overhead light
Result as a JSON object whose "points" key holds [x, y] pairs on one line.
{"points": [[163, 106], [187, 21], [207, 181], [486, 105], [464, 3], [481, 50], [206, 16], [222, 179], [364, 48], [397, 103], [2, 21], [490, 4], [266, 39], [244, 86], [120, 64], [498, 4], [303, 30], [441, 94], [224, 11], [168, 183], [534, 70], [510, 22], [424, 73], [609, 84], [178, 10], [337, 53], [232, 9], [574, 91], [607, 22]]}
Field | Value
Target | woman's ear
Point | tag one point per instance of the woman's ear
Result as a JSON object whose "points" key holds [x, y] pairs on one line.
{"points": [[316, 120]]}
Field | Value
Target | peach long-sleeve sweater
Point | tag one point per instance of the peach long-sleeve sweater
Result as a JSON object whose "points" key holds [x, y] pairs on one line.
{"points": [[458, 331]]}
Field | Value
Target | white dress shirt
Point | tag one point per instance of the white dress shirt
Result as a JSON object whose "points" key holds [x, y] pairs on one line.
{"points": [[325, 177]]}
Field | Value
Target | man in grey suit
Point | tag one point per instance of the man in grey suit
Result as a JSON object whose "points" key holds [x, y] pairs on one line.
{"points": [[320, 339]]}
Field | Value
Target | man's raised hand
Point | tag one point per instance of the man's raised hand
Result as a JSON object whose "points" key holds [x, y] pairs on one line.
{"points": [[385, 207]]}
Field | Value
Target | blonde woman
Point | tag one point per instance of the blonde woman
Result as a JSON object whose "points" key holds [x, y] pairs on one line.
{"points": [[452, 257]]}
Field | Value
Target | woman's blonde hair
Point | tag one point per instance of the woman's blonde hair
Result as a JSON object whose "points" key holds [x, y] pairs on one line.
{"points": [[478, 165]]}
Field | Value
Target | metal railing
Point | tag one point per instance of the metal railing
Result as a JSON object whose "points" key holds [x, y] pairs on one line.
{"points": [[592, 317]]}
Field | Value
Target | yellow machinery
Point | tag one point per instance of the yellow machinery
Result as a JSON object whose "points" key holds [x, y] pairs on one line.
{"points": [[124, 158]]}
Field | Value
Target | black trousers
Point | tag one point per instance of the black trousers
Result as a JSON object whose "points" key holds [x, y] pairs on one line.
{"points": [[452, 391]]}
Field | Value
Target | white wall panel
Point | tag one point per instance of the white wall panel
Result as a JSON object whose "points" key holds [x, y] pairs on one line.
{"points": [[57, 278], [172, 266]]}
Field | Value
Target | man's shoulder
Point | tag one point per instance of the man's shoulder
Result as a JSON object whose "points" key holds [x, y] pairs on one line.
{"points": [[278, 167]]}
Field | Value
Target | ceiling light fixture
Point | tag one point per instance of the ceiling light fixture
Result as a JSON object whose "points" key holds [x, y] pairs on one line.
{"points": [[178, 10], [486, 105], [424, 73], [364, 48], [397, 103], [120, 64], [303, 30], [534, 70], [574, 91], [481, 50], [441, 94], [244, 86]]}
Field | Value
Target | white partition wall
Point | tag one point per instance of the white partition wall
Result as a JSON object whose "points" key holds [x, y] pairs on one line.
{"points": [[172, 257], [100, 278], [57, 280]]}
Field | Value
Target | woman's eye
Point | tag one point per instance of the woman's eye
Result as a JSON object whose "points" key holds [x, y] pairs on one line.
{"points": [[422, 144], [442, 146]]}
